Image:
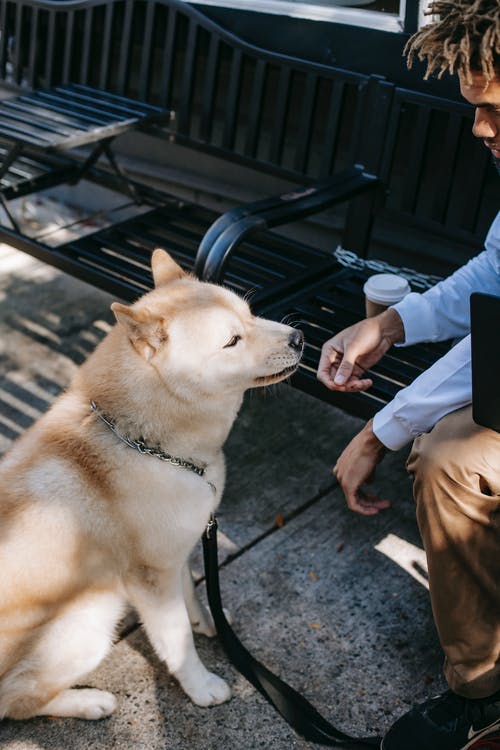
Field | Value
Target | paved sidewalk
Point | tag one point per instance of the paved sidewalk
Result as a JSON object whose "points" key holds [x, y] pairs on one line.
{"points": [[335, 603]]}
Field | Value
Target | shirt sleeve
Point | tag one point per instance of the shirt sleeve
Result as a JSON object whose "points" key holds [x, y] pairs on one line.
{"points": [[444, 387], [443, 311]]}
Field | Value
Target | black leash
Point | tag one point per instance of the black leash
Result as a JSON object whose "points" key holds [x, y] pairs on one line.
{"points": [[293, 707]]}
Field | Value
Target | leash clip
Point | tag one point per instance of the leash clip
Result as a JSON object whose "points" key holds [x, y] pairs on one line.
{"points": [[211, 526]]}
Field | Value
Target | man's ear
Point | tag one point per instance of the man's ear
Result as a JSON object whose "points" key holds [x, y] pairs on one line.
{"points": [[145, 331], [164, 268]]}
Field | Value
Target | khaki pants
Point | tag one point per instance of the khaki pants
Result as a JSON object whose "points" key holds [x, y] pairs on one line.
{"points": [[456, 470]]}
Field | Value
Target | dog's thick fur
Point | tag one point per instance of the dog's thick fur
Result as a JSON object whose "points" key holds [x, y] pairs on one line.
{"points": [[87, 524]]}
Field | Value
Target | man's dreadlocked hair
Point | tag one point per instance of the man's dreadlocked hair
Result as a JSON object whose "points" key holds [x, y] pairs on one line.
{"points": [[466, 39]]}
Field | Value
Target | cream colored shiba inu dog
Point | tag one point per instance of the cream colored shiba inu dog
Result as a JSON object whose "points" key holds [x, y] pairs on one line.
{"points": [[103, 499]]}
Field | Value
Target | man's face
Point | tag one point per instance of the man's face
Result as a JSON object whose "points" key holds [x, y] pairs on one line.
{"points": [[487, 119]]}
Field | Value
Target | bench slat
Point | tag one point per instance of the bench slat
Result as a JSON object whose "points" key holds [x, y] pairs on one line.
{"points": [[279, 116], [332, 128], [106, 47], [188, 78], [147, 52], [208, 101], [32, 46], [168, 59], [125, 48], [232, 100], [306, 124], [256, 101], [86, 44]]}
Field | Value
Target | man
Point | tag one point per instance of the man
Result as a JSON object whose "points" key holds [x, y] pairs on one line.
{"points": [[455, 463]]}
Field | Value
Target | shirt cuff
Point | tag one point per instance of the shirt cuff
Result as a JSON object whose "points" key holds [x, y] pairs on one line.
{"points": [[418, 319], [392, 432]]}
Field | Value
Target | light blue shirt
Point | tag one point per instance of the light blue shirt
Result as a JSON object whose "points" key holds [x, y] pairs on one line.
{"points": [[441, 313]]}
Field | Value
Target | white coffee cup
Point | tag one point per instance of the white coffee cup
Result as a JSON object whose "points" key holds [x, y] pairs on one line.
{"points": [[382, 290]]}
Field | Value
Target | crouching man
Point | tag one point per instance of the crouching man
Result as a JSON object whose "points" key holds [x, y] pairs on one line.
{"points": [[455, 463]]}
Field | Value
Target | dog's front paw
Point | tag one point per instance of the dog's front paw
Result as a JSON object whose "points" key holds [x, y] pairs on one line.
{"points": [[211, 691], [97, 704], [80, 703]]}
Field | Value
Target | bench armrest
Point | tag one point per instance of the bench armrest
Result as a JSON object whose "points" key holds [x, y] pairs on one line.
{"points": [[231, 228]]}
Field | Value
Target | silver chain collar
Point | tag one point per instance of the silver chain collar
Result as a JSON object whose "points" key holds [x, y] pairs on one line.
{"points": [[141, 447]]}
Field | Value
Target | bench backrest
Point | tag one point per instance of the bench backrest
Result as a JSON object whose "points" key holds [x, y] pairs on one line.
{"points": [[229, 97], [437, 174]]}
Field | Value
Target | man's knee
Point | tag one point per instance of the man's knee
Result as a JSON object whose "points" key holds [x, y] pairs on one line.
{"points": [[453, 464]]}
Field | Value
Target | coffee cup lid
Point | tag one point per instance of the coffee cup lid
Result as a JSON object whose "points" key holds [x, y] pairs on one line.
{"points": [[386, 288]]}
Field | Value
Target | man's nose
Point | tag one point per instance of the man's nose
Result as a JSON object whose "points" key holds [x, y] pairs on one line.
{"points": [[484, 126]]}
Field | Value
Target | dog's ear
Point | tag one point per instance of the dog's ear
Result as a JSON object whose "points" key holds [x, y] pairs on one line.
{"points": [[164, 268], [146, 331]]}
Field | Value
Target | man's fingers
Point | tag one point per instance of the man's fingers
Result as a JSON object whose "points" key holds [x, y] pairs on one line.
{"points": [[355, 384], [327, 368], [361, 502], [329, 353], [374, 501], [355, 502], [366, 507], [339, 371], [344, 370], [354, 499], [325, 376]]}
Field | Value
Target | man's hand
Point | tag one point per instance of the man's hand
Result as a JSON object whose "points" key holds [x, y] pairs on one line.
{"points": [[356, 466], [346, 356]]}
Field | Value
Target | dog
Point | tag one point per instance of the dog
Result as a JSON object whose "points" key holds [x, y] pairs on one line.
{"points": [[103, 499]]}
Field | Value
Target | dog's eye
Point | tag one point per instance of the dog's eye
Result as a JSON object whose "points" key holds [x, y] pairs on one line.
{"points": [[232, 342]]}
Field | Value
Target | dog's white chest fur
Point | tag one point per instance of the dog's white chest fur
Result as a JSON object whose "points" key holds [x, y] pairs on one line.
{"points": [[168, 506]]}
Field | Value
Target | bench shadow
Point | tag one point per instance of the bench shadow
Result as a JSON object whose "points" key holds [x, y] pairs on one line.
{"points": [[52, 313]]}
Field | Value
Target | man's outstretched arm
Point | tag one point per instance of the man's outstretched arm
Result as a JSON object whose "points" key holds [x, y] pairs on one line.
{"points": [[442, 388]]}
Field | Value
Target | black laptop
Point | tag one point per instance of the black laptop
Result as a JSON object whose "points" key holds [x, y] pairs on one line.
{"points": [[485, 348]]}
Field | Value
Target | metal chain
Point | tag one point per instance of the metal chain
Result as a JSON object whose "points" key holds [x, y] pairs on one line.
{"points": [[141, 446], [416, 279]]}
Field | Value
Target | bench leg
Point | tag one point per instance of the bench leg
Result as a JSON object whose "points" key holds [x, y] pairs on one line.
{"points": [[89, 162], [10, 157], [104, 147], [7, 210], [122, 176]]}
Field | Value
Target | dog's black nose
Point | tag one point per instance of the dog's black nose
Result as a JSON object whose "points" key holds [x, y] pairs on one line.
{"points": [[296, 340]]}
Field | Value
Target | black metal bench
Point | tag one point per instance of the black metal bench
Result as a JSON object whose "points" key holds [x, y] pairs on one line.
{"points": [[285, 117]]}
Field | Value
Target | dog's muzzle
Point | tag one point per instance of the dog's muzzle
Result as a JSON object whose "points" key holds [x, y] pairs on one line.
{"points": [[296, 341]]}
